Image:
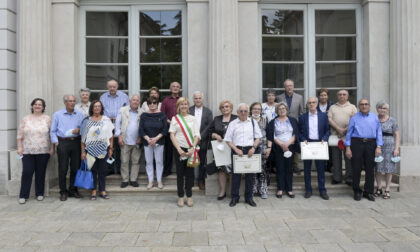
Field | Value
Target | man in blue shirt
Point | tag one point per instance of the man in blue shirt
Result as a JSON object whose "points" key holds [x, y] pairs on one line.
{"points": [[65, 135], [113, 101], [363, 143], [127, 131]]}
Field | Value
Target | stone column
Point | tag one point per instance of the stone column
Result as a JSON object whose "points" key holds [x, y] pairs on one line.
{"points": [[223, 69], [405, 86], [34, 69]]}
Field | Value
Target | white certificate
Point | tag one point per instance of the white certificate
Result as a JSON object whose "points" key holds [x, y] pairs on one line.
{"points": [[314, 151], [221, 152], [247, 164]]}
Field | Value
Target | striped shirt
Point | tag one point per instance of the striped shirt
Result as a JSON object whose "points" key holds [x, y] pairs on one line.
{"points": [[113, 104]]}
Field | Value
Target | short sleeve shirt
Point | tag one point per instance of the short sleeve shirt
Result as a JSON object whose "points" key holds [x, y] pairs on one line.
{"points": [[35, 132]]}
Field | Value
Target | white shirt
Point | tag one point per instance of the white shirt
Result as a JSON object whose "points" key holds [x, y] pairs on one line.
{"points": [[240, 133], [323, 108], [269, 111], [145, 107], [83, 109], [179, 135], [198, 114], [313, 126]]}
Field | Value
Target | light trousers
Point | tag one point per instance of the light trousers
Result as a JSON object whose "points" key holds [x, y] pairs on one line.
{"points": [[130, 152], [155, 153]]}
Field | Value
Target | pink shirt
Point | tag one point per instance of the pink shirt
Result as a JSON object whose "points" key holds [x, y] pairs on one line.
{"points": [[35, 133]]}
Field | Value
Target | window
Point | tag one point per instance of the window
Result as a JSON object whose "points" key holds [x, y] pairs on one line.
{"points": [[317, 46], [139, 46]]}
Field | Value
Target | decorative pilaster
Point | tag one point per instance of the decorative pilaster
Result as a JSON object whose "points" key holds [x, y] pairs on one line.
{"points": [[223, 53], [405, 86]]}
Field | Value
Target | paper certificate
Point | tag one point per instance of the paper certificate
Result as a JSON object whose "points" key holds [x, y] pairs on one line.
{"points": [[245, 164], [221, 152], [314, 151]]}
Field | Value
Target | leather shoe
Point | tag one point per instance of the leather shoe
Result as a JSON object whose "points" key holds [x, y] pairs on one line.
{"points": [[75, 194], [221, 197], [134, 184], [233, 203], [251, 202], [357, 196], [124, 184], [307, 195], [334, 182], [201, 185], [290, 195], [325, 196], [369, 196], [63, 196]]}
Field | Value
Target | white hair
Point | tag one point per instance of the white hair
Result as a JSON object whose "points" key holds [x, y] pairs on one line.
{"points": [[197, 92], [313, 97], [67, 95], [242, 104], [135, 95]]}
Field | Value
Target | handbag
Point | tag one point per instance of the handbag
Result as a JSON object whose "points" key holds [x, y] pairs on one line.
{"points": [[211, 168], [84, 177]]}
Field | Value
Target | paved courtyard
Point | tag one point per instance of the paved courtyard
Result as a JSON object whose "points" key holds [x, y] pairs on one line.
{"points": [[155, 223]]}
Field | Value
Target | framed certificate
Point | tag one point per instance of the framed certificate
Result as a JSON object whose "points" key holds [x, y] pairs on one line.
{"points": [[245, 164], [314, 151]]}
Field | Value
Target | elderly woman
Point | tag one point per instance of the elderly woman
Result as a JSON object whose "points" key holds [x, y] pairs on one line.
{"points": [[185, 135], [269, 107], [153, 129], [390, 149], [153, 93], [97, 141], [35, 148], [217, 130], [84, 104], [261, 179], [282, 139]]}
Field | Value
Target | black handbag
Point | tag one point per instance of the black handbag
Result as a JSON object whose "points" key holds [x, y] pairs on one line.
{"points": [[211, 168]]}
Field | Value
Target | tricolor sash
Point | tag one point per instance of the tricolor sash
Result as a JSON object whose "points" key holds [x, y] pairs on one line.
{"points": [[194, 160]]}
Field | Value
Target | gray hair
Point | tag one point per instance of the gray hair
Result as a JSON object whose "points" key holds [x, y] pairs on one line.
{"points": [[198, 92], [382, 104], [282, 103], [67, 95], [244, 105], [270, 91], [313, 97], [84, 90], [135, 95]]}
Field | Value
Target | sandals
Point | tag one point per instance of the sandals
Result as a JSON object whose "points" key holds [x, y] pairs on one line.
{"points": [[378, 192], [93, 197], [387, 195], [104, 196]]}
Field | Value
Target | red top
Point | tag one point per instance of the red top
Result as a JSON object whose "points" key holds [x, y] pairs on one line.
{"points": [[169, 106]]}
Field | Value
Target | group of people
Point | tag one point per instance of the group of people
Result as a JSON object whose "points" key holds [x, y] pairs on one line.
{"points": [[112, 130]]}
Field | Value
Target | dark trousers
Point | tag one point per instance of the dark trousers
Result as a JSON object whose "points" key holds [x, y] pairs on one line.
{"points": [[169, 148], [115, 167], [99, 171], [183, 173], [337, 168], [284, 170], [68, 151], [203, 160], [320, 170], [236, 180], [363, 154], [33, 163]]}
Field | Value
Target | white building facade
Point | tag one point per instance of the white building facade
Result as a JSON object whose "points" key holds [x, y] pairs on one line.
{"points": [[228, 49]]}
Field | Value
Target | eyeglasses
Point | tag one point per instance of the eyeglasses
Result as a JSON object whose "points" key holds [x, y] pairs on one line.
{"points": [[311, 102], [364, 104], [155, 103], [243, 111], [256, 109]]}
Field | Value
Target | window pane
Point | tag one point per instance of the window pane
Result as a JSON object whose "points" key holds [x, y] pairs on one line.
{"points": [[282, 22], [161, 50], [336, 75], [107, 23], [282, 49], [96, 76], [106, 50], [156, 23], [160, 76], [275, 74], [144, 94], [332, 96], [335, 22], [339, 48]]}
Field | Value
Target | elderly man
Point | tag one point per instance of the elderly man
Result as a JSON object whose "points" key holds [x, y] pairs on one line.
{"points": [[127, 131], [314, 127], [296, 108], [169, 108], [204, 117], [113, 101], [243, 136], [65, 135], [363, 143], [339, 116]]}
